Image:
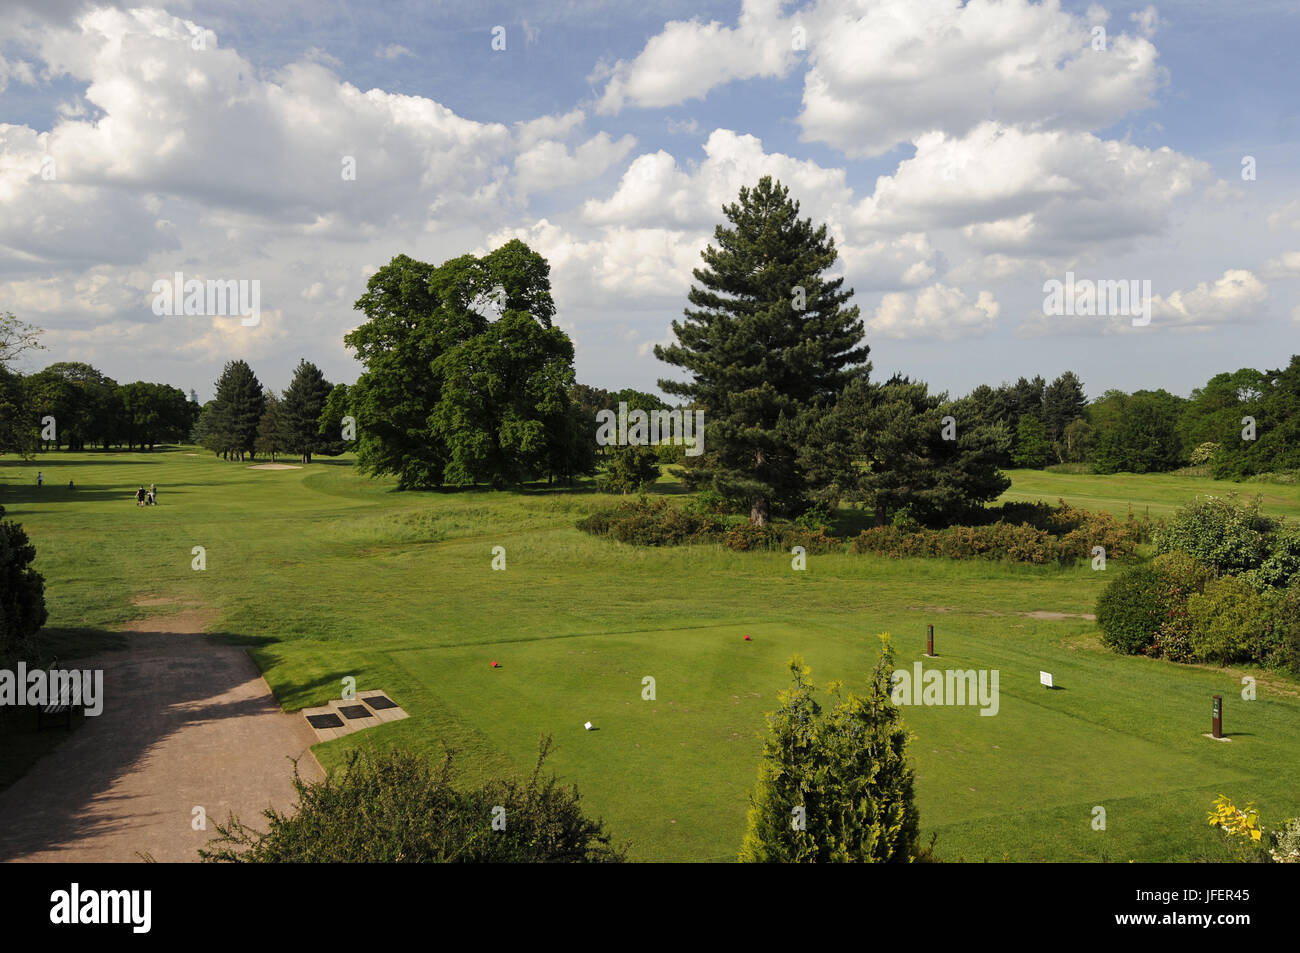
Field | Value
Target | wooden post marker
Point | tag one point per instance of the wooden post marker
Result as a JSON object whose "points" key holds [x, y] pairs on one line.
{"points": [[929, 641], [1217, 731]]}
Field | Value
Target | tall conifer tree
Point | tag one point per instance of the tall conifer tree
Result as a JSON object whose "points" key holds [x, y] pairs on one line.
{"points": [[769, 343]]}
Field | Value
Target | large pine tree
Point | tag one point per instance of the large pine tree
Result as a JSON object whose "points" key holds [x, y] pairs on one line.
{"points": [[768, 344], [301, 409], [239, 406]]}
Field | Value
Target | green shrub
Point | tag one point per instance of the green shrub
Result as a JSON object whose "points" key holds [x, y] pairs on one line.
{"points": [[597, 523], [1281, 648], [847, 768], [749, 536], [22, 593], [709, 502], [398, 807], [1226, 619], [1130, 610], [816, 517], [1282, 564], [815, 542], [1020, 543], [1180, 576], [655, 522], [904, 520], [632, 469], [1221, 531]]}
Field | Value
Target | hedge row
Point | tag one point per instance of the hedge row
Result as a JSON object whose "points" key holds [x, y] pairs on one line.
{"points": [[1046, 534], [654, 522], [1066, 534]]}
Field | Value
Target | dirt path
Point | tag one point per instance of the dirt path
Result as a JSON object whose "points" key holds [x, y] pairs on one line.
{"points": [[187, 722]]}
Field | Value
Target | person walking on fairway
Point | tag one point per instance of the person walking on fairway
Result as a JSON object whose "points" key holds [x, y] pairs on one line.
{"points": [[40, 478], [153, 492], [139, 497]]}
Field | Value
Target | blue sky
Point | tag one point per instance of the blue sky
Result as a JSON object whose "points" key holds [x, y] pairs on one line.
{"points": [[962, 155]]}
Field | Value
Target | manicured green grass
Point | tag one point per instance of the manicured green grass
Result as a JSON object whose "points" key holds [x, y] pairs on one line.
{"points": [[325, 574], [1161, 493]]}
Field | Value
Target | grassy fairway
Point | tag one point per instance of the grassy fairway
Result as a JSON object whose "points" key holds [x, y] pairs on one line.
{"points": [[1161, 493], [326, 574]]}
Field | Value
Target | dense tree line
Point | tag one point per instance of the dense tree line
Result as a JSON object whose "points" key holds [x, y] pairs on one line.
{"points": [[74, 406], [245, 419], [1240, 424]]}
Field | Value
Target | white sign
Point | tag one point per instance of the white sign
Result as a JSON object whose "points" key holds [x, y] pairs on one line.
{"points": [[587, 726], [1045, 678]]}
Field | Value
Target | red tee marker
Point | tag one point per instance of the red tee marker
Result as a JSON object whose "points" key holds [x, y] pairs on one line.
{"points": [[747, 639], [494, 664]]}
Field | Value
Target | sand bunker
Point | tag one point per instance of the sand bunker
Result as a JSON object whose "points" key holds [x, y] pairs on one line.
{"points": [[274, 466]]}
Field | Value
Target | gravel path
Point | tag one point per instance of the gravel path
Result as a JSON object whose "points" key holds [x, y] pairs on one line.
{"points": [[187, 722]]}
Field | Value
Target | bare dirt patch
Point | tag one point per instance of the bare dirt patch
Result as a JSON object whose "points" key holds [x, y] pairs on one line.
{"points": [[187, 622], [1041, 614], [146, 602], [274, 466]]}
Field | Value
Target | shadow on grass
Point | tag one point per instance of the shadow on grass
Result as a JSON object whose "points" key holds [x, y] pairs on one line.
{"points": [[95, 493], [66, 643], [124, 493], [850, 521], [248, 641]]}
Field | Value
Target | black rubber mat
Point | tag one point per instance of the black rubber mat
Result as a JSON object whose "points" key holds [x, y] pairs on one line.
{"points": [[325, 721], [379, 702], [355, 711]]}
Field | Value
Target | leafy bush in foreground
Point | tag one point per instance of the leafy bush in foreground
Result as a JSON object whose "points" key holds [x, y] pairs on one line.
{"points": [[848, 772], [22, 592], [1252, 842], [398, 807]]}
